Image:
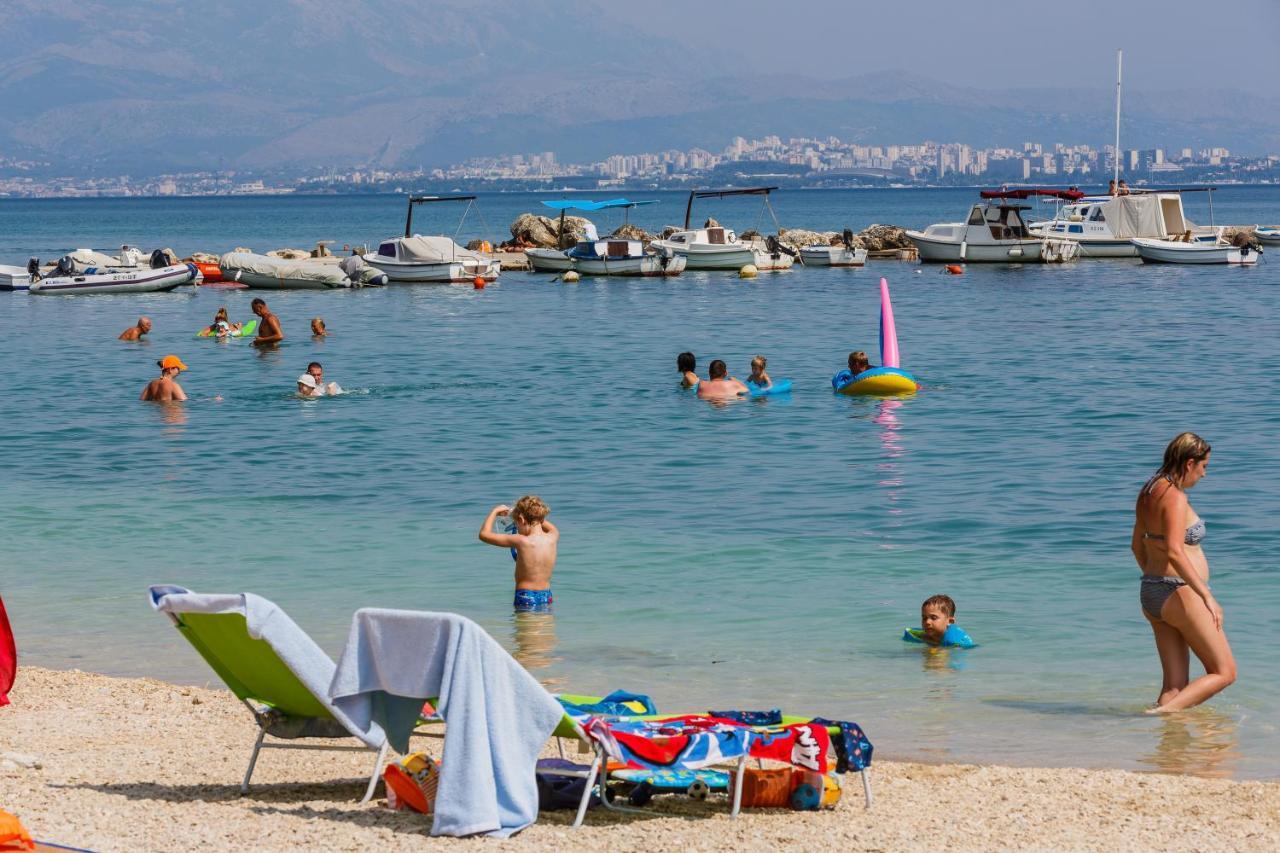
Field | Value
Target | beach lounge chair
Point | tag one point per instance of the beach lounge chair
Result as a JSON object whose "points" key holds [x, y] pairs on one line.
{"points": [[273, 667]]}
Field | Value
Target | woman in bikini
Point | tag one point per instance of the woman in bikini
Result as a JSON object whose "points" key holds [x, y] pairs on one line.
{"points": [[1175, 592]]}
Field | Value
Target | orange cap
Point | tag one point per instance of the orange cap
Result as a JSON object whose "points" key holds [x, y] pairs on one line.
{"points": [[172, 361]]}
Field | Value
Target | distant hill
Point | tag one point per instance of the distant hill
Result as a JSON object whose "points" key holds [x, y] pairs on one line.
{"points": [[160, 86]]}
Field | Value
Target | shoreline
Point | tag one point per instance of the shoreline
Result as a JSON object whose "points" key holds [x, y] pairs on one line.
{"points": [[140, 764]]}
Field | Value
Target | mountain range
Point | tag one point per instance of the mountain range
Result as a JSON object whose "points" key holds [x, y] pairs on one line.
{"points": [[165, 85]]}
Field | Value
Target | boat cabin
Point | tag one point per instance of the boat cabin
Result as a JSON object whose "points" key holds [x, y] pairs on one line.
{"points": [[1004, 221], [607, 249], [705, 236]]}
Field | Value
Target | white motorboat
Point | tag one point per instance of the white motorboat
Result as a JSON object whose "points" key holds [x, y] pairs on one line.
{"points": [[1181, 252], [266, 273], [548, 260], [718, 248], [118, 280], [1268, 236], [415, 258], [623, 257], [1105, 226], [993, 233], [14, 278], [844, 254]]}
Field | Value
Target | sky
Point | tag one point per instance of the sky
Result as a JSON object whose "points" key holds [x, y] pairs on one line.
{"points": [[1167, 43]]}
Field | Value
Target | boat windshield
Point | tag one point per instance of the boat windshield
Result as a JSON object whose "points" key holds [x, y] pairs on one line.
{"points": [[1005, 223], [387, 250]]}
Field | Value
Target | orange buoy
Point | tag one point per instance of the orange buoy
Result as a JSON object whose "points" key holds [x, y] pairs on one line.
{"points": [[478, 282], [955, 269]]}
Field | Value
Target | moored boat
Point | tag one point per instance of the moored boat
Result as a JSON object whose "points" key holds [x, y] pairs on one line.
{"points": [[1180, 252], [717, 248], [1105, 226], [993, 233], [623, 257], [15, 278], [843, 254], [98, 280], [1269, 235], [548, 260], [415, 258], [266, 273]]}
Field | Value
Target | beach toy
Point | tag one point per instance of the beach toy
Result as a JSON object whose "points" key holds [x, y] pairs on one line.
{"points": [[888, 378], [749, 271], [782, 386], [806, 798], [13, 835], [696, 783], [413, 780], [244, 331], [954, 637], [511, 528]]}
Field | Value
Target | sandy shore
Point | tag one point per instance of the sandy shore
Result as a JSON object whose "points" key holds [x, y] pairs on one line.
{"points": [[135, 764]]}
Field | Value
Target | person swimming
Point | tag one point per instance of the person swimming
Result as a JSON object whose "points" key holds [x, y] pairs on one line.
{"points": [[718, 385], [688, 366], [758, 376]]}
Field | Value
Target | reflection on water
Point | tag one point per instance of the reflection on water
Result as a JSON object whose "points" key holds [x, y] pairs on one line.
{"points": [[1200, 741], [534, 636], [174, 417], [890, 469]]}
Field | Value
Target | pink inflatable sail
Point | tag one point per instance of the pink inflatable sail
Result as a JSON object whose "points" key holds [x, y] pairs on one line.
{"points": [[888, 333]]}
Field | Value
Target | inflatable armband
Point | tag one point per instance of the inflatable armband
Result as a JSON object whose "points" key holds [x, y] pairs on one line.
{"points": [[954, 637]]}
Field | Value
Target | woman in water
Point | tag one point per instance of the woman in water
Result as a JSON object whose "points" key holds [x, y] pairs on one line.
{"points": [[1175, 592], [688, 366]]}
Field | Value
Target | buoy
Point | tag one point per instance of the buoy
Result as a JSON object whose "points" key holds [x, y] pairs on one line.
{"points": [[749, 271], [570, 277], [478, 281], [955, 269]]}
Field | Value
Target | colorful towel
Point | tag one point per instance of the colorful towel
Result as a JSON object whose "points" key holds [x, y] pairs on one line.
{"points": [[8, 656], [694, 741], [619, 703], [853, 750]]}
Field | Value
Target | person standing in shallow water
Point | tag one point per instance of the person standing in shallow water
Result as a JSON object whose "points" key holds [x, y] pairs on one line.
{"points": [[269, 331], [1174, 591], [135, 333]]}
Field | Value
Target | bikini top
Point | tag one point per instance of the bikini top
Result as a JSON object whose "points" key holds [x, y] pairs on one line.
{"points": [[1195, 533]]}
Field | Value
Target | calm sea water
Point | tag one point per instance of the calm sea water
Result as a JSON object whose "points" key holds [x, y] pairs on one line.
{"points": [[760, 554]]}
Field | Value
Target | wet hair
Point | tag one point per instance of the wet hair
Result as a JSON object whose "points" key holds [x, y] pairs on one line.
{"points": [[759, 361], [255, 303], [686, 363], [318, 321], [1186, 447], [717, 369], [221, 315], [942, 602], [858, 361], [531, 509], [315, 364]]}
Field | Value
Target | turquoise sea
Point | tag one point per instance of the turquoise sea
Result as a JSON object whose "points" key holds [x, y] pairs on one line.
{"points": [[758, 554]]}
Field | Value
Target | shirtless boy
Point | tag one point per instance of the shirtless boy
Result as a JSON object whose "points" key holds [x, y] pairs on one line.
{"points": [[534, 546]]}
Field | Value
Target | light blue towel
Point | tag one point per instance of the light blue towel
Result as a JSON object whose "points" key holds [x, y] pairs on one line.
{"points": [[267, 622], [497, 716]]}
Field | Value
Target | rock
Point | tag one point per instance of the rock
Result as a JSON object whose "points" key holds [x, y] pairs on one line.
{"points": [[170, 257], [633, 232], [710, 223], [479, 246], [668, 230], [289, 254], [21, 759], [243, 249], [751, 234], [205, 257], [798, 238], [877, 238], [542, 231]]}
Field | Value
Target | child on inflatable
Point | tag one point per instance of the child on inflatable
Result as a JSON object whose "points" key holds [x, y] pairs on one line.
{"points": [[534, 544], [938, 625], [758, 377]]}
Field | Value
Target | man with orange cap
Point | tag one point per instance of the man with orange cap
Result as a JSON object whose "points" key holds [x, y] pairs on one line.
{"points": [[166, 388]]}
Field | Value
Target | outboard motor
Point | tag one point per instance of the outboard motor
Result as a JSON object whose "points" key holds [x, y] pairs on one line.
{"points": [[159, 259], [66, 266], [847, 239], [33, 269], [776, 248]]}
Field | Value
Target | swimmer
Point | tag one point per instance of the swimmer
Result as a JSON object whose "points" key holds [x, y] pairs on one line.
{"points": [[317, 328], [166, 388], [534, 542], [718, 386], [937, 614], [269, 331], [758, 377], [135, 333], [858, 362], [688, 366], [312, 384], [221, 326]]}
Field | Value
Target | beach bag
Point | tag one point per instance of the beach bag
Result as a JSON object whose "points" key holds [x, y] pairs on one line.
{"points": [[412, 782], [13, 835], [766, 789], [557, 791]]}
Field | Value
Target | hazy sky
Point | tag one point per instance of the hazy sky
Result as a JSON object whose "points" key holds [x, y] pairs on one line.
{"points": [[1230, 44]]}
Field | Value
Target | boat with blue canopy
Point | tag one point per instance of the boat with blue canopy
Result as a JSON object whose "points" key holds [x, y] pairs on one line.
{"points": [[558, 259]]}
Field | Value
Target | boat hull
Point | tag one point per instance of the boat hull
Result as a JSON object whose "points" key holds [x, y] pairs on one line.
{"points": [[1268, 236], [948, 251], [832, 256], [548, 260], [650, 266], [125, 281], [262, 281], [1170, 252], [453, 272], [14, 278]]}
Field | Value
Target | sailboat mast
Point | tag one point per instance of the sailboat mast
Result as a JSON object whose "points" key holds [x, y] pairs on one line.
{"points": [[1115, 160]]}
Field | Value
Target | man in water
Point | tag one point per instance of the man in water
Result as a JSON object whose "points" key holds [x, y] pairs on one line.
{"points": [[166, 388], [718, 385], [269, 331], [135, 333], [312, 384]]}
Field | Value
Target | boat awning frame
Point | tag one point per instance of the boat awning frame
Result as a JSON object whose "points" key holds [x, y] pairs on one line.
{"points": [[764, 191]]}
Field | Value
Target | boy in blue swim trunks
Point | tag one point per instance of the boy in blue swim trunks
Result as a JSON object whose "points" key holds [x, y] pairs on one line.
{"points": [[534, 544]]}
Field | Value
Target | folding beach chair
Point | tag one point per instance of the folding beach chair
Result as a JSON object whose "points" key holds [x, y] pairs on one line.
{"points": [[273, 667]]}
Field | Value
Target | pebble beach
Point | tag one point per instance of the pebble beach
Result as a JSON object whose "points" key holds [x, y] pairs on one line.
{"points": [[114, 764]]}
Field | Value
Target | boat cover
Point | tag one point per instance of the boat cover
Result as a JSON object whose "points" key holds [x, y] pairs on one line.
{"points": [[435, 250], [1139, 216], [586, 204], [308, 270], [80, 260]]}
